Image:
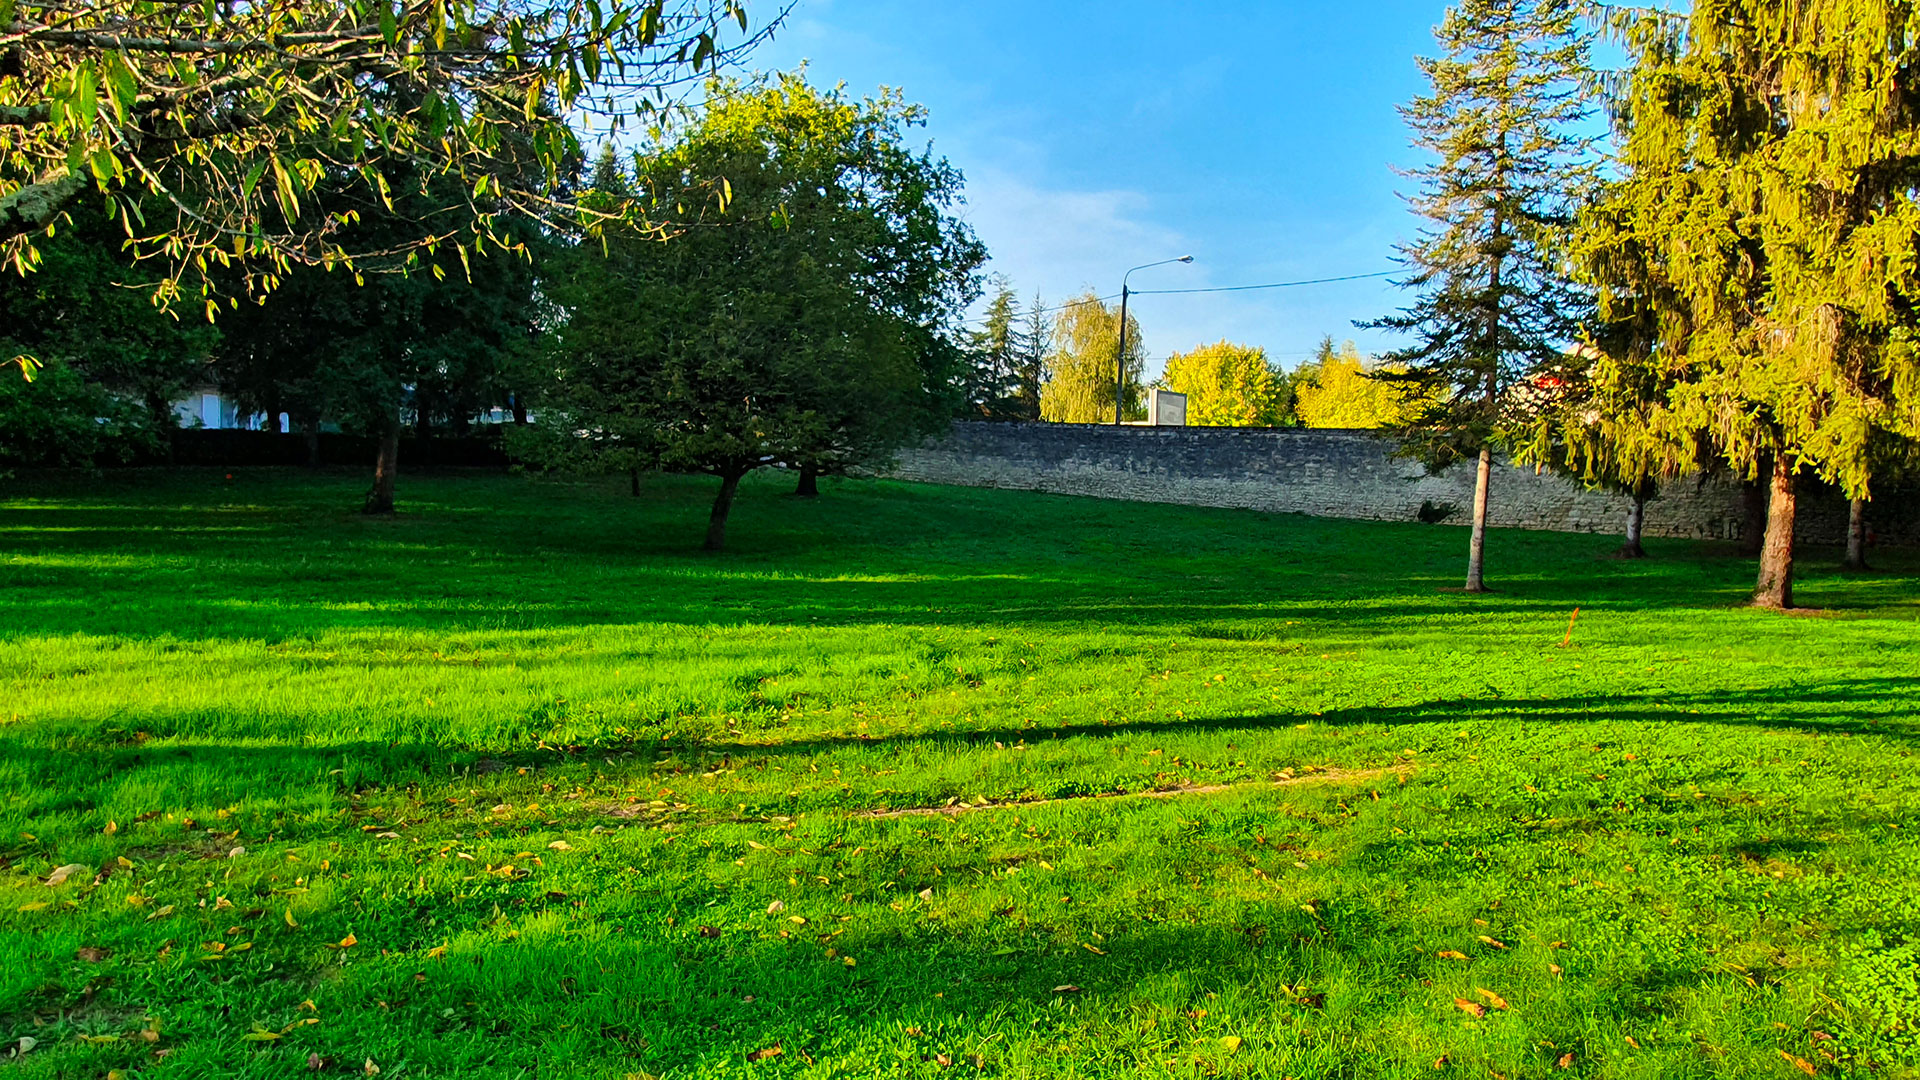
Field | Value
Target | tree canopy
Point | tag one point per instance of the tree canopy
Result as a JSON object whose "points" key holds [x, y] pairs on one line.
{"points": [[1081, 371], [206, 129], [812, 321], [1493, 302], [1229, 385]]}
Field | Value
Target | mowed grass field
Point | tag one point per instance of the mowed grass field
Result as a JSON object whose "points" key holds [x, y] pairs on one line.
{"points": [[520, 784]]}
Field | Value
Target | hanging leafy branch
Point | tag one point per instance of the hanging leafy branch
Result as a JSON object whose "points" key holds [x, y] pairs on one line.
{"points": [[228, 116]]}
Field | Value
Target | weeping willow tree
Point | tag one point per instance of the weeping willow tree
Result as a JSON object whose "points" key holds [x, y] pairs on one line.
{"points": [[1766, 213], [1083, 373]]}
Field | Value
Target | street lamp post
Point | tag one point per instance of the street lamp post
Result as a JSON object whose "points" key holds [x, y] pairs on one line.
{"points": [[1120, 359]]}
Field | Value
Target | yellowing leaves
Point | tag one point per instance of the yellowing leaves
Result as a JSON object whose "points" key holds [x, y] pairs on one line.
{"points": [[60, 875], [1492, 999]]}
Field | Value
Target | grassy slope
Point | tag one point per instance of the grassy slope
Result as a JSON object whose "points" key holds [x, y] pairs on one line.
{"points": [[1701, 816]]}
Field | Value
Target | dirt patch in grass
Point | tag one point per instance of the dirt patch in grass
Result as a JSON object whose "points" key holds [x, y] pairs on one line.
{"points": [[1328, 776]]}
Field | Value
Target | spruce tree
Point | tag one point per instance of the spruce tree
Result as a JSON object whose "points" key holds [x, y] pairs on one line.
{"points": [[1769, 177], [1494, 305]]}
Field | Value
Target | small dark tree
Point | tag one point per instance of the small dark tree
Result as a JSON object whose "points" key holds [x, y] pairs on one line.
{"points": [[1494, 305]]}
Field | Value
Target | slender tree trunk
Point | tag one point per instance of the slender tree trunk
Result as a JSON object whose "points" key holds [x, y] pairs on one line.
{"points": [[1477, 550], [313, 441], [722, 506], [519, 410], [1636, 525], [386, 469], [809, 487], [1857, 535], [633, 477], [1775, 587], [1753, 531]]}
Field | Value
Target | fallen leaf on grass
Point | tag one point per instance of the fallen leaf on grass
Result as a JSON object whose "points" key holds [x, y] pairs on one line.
{"points": [[1485, 940], [1091, 949], [290, 921], [1633, 1042], [388, 835], [1492, 998], [33, 905], [1442, 1062], [370, 1068], [1231, 1044], [559, 845], [1472, 1008], [1068, 989], [1556, 969], [776, 907], [1451, 954], [762, 1055], [347, 942], [315, 1063], [25, 1045], [60, 875], [1802, 1064], [709, 931], [1565, 1062], [92, 954]]}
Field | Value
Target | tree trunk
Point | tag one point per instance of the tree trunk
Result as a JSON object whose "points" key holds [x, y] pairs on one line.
{"points": [[1753, 531], [519, 410], [1477, 551], [633, 475], [722, 506], [1857, 535], [386, 468], [1636, 524], [1775, 587], [809, 487], [313, 442]]}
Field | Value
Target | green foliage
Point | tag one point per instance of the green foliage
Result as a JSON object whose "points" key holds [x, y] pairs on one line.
{"points": [[114, 364], [211, 128], [1009, 358], [350, 348], [1494, 303], [1230, 385], [1084, 365], [327, 727], [809, 321], [1337, 389], [61, 418], [1763, 229]]}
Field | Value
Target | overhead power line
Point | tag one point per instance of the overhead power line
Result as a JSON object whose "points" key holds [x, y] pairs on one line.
{"points": [[1274, 285]]}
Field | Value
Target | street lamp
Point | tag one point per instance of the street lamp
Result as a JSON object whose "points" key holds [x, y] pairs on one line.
{"points": [[1120, 360]]}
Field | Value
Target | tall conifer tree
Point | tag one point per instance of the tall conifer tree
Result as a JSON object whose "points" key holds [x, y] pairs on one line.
{"points": [[1769, 159], [1494, 305]]}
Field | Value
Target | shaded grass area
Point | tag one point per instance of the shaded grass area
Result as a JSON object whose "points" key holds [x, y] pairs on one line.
{"points": [[314, 770]]}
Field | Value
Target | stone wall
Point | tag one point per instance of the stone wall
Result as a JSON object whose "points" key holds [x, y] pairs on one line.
{"points": [[1344, 474]]}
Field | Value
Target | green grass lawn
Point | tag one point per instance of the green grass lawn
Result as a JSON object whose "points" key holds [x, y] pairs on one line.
{"points": [[520, 784]]}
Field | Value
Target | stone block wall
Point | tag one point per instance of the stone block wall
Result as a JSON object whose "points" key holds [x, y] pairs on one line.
{"points": [[1342, 474]]}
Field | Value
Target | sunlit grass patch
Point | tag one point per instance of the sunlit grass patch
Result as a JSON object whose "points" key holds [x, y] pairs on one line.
{"points": [[523, 785]]}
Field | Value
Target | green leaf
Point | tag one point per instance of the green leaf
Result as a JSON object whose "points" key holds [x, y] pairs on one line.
{"points": [[86, 94], [121, 84], [6, 15], [252, 179], [389, 25]]}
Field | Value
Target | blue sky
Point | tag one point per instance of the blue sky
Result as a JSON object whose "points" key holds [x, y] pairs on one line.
{"points": [[1257, 135]]}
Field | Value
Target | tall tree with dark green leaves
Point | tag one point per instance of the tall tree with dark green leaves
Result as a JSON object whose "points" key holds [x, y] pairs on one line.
{"points": [[807, 313], [1769, 178], [359, 348], [1494, 304], [110, 354], [999, 352]]}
